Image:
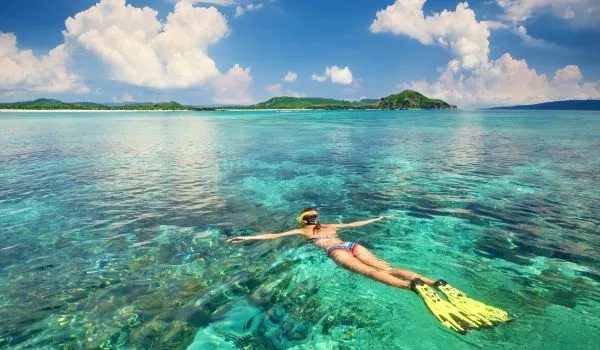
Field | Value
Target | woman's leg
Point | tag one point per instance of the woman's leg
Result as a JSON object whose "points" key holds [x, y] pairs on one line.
{"points": [[365, 256], [345, 259]]}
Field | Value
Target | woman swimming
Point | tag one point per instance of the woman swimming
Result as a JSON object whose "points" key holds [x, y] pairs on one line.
{"points": [[459, 313]]}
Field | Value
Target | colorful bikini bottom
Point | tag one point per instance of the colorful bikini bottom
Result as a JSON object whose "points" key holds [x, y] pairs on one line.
{"points": [[347, 246]]}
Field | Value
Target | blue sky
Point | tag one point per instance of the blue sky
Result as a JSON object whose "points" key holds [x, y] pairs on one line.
{"points": [[493, 52]]}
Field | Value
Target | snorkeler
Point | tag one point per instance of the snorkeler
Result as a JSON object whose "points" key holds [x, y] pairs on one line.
{"points": [[459, 313]]}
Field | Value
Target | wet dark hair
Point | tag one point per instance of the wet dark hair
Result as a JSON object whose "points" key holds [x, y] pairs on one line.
{"points": [[311, 219]]}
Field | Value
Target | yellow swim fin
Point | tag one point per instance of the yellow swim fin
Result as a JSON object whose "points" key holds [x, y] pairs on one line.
{"points": [[490, 314], [448, 314]]}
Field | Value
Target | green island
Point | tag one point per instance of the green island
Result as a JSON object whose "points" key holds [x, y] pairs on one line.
{"points": [[407, 99], [49, 104], [313, 103]]}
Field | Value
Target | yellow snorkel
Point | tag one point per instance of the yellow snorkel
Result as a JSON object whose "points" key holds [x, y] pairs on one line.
{"points": [[300, 218]]}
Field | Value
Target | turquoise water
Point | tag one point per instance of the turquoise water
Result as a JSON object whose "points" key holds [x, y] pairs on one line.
{"points": [[113, 227]]}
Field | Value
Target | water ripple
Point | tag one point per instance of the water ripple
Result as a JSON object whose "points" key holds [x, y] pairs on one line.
{"points": [[113, 229]]}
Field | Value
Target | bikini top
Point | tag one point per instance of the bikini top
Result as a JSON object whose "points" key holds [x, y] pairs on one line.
{"points": [[326, 238]]}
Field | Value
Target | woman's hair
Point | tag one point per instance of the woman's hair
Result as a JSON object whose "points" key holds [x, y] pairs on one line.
{"points": [[312, 218]]}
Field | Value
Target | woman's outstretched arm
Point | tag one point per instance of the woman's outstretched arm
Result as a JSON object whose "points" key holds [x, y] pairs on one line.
{"points": [[360, 223], [263, 236]]}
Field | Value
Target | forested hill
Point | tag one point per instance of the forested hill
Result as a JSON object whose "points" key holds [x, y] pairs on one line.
{"points": [[407, 99], [48, 104], [286, 102]]}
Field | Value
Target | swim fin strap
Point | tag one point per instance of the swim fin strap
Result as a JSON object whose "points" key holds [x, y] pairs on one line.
{"points": [[448, 314], [475, 309]]}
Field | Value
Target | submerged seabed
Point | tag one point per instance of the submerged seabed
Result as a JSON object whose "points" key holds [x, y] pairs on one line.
{"points": [[112, 227]]}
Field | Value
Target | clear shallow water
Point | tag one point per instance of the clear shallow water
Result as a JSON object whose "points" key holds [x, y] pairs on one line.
{"points": [[112, 227]]}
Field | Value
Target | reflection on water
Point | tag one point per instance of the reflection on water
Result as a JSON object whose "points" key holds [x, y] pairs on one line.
{"points": [[469, 141], [112, 227]]}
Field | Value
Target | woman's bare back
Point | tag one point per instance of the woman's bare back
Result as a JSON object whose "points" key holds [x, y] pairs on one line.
{"points": [[325, 237]]}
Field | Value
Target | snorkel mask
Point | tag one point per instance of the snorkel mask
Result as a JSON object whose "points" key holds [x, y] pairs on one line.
{"points": [[309, 221]]}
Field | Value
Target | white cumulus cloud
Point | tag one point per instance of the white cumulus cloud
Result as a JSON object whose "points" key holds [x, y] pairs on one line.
{"points": [[234, 87], [336, 74], [276, 90], [124, 98], [530, 41], [319, 78], [568, 13], [339, 75], [472, 78], [522, 10], [22, 70], [290, 77], [295, 93], [212, 2], [505, 81], [495, 25], [459, 31], [137, 48], [240, 10]]}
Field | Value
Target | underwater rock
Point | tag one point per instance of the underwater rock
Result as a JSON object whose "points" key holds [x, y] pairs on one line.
{"points": [[328, 322], [243, 282], [126, 317], [76, 295], [261, 296], [328, 344], [351, 317], [115, 341], [300, 332], [211, 300], [276, 314], [496, 244], [191, 287], [294, 330], [167, 315], [178, 336], [105, 305], [165, 254], [142, 336], [150, 305], [140, 262], [312, 310], [62, 242], [220, 312], [195, 317], [288, 326]]}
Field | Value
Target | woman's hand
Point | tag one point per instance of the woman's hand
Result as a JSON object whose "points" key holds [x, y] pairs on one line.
{"points": [[236, 239]]}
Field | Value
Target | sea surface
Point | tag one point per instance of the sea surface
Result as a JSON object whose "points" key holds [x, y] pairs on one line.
{"points": [[113, 227]]}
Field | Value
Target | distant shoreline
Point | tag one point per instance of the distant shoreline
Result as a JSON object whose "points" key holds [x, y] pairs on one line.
{"points": [[406, 100], [292, 109], [566, 105], [93, 110], [207, 110]]}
